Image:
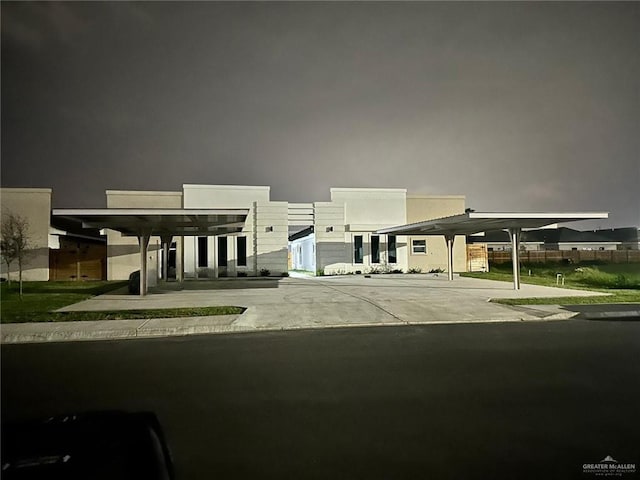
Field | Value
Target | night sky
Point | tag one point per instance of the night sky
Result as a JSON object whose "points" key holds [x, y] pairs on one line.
{"points": [[519, 106]]}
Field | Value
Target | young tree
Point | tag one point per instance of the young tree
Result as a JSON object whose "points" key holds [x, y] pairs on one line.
{"points": [[14, 242]]}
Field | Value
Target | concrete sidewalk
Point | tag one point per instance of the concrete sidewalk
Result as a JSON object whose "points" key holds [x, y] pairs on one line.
{"points": [[301, 303]]}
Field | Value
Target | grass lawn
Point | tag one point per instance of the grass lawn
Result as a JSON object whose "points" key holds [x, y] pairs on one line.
{"points": [[620, 280], [41, 298]]}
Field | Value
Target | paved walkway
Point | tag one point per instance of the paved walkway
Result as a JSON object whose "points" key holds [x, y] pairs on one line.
{"points": [[304, 302]]}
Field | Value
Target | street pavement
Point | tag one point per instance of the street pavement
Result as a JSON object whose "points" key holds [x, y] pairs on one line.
{"points": [[525, 400], [303, 302]]}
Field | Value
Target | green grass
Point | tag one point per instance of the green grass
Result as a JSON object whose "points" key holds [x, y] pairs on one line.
{"points": [[617, 296], [41, 298], [127, 314], [621, 281]]}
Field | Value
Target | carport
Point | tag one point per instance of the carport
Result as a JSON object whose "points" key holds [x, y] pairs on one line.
{"points": [[471, 222], [164, 223]]}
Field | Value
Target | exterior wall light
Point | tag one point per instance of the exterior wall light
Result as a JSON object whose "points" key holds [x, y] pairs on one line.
{"points": [[268, 229], [329, 229]]}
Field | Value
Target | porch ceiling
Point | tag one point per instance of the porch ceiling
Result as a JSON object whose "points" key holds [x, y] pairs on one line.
{"points": [[160, 222]]}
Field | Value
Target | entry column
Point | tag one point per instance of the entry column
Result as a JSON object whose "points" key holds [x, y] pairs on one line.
{"points": [[143, 240], [514, 234], [450, 239]]}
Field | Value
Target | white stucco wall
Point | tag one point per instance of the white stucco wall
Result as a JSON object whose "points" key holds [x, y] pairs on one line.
{"points": [[271, 230], [223, 196], [329, 230], [429, 207], [123, 253], [383, 207], [362, 211], [34, 204], [265, 228]]}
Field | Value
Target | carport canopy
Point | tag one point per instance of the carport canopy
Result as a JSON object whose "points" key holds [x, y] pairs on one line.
{"points": [[472, 222], [165, 223]]}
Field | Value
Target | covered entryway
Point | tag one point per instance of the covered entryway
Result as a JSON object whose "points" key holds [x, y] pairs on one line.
{"points": [[470, 222], [163, 223]]}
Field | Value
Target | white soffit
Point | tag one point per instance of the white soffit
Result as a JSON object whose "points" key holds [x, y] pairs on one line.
{"points": [[156, 221]]}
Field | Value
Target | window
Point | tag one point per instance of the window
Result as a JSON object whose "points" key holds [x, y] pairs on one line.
{"points": [[391, 247], [241, 243], [203, 253], [358, 253], [375, 249], [222, 251], [418, 247]]}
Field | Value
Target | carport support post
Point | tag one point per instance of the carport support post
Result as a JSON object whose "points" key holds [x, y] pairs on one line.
{"points": [[450, 239], [180, 259], [166, 242], [514, 233], [143, 240]]}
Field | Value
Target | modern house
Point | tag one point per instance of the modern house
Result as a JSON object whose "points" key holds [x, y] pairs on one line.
{"points": [[329, 237], [211, 231], [341, 236], [337, 236]]}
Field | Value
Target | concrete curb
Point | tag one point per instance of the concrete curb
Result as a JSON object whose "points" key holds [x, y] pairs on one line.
{"points": [[149, 329], [122, 329], [627, 315]]}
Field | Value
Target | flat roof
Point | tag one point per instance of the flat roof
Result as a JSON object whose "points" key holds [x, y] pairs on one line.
{"points": [[473, 222], [159, 221]]}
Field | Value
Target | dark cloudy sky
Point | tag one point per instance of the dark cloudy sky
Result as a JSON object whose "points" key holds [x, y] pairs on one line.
{"points": [[520, 106]]}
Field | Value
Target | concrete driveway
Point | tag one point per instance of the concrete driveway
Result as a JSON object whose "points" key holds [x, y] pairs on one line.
{"points": [[301, 302]]}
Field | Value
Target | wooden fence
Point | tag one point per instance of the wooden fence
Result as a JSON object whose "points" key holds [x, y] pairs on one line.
{"points": [[573, 256], [86, 263]]}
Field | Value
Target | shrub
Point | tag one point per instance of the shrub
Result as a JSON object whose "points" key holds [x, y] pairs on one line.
{"points": [[242, 274], [284, 274], [397, 270], [436, 270], [320, 272], [414, 270], [265, 272]]}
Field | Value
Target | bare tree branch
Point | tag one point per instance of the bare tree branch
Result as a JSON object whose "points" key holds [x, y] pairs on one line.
{"points": [[15, 243]]}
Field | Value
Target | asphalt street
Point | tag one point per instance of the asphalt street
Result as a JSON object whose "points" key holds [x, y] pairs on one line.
{"points": [[510, 400]]}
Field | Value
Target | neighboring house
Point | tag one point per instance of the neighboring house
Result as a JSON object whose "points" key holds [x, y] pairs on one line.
{"points": [[63, 251], [33, 204], [628, 238], [549, 239], [76, 253]]}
